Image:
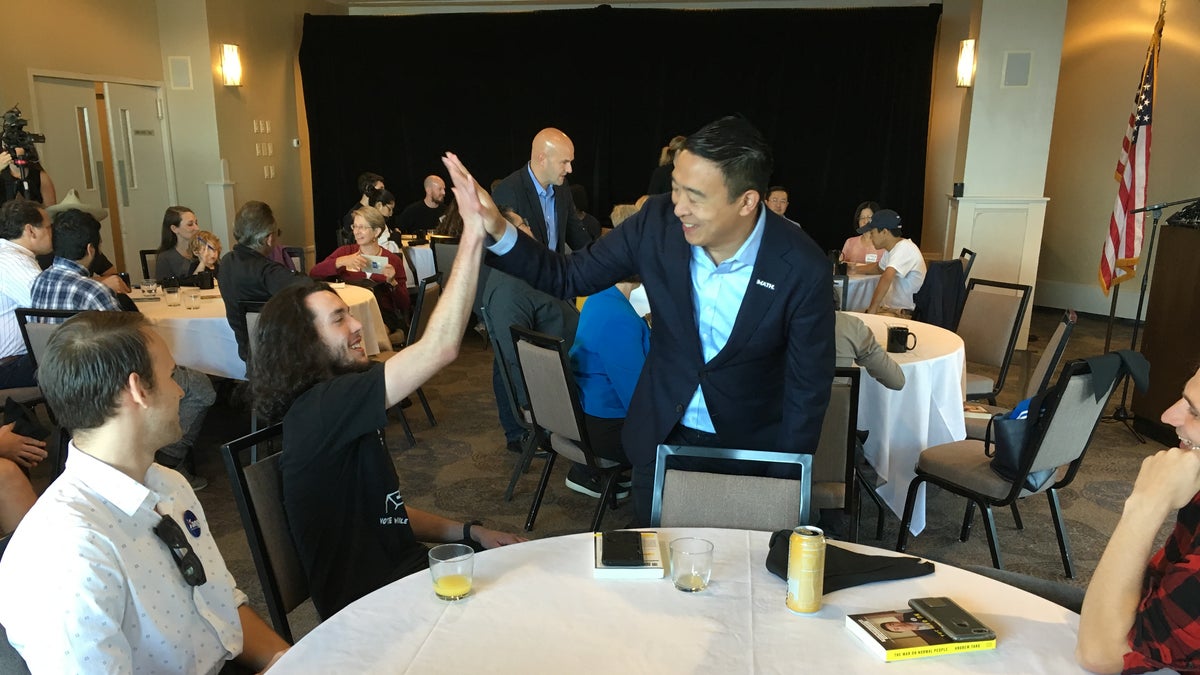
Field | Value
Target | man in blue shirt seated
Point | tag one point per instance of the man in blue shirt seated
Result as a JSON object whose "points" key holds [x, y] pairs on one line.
{"points": [[610, 349]]}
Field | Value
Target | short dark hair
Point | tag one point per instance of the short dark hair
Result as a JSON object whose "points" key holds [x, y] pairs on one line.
{"points": [[253, 223], [776, 188], [15, 214], [738, 150], [172, 217], [380, 196], [87, 365], [289, 357], [367, 180], [73, 231], [865, 205]]}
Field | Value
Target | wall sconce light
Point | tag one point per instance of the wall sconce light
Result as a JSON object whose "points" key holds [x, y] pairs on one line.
{"points": [[231, 66], [966, 63]]}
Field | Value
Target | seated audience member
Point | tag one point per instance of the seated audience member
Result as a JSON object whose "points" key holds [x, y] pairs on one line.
{"points": [[610, 349], [350, 263], [902, 267], [777, 199], [67, 285], [385, 203], [451, 223], [1141, 616], [130, 576], [859, 249], [17, 454], [423, 214], [101, 269], [279, 254], [660, 178], [367, 182], [352, 529], [590, 224], [511, 301], [175, 257], [206, 250], [856, 344], [246, 274], [25, 232]]}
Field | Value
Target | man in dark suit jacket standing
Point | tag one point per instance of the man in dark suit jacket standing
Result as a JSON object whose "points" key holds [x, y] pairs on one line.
{"points": [[742, 350], [536, 191]]}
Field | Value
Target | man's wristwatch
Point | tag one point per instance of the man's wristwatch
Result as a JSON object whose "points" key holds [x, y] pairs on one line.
{"points": [[467, 529]]}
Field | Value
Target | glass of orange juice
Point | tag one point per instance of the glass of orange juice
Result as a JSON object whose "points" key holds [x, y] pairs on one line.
{"points": [[451, 566]]}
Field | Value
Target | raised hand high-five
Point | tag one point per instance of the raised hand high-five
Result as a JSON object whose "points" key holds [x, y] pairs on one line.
{"points": [[475, 205]]}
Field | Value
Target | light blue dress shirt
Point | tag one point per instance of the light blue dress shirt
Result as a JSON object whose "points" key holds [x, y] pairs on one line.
{"points": [[717, 293], [546, 197]]}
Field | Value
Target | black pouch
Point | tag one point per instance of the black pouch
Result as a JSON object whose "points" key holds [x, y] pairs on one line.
{"points": [[844, 568], [24, 422]]}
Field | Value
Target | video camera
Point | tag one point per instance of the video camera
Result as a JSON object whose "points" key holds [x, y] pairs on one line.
{"points": [[13, 135]]}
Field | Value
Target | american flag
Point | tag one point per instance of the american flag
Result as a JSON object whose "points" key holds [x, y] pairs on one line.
{"points": [[1123, 247]]}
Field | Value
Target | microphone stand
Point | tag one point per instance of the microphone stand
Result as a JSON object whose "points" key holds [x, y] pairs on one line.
{"points": [[1121, 413]]}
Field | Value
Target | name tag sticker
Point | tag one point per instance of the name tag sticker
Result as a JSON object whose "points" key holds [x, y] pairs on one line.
{"points": [[872, 257]]}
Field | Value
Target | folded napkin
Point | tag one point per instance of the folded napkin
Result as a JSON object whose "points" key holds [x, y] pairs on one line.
{"points": [[844, 568], [26, 422]]}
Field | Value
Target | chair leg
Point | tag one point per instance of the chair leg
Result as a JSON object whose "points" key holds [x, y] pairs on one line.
{"points": [[1017, 516], [968, 519], [906, 519], [528, 444], [1064, 546], [869, 490], [990, 523], [855, 513], [607, 498], [412, 440], [425, 405], [541, 490]]}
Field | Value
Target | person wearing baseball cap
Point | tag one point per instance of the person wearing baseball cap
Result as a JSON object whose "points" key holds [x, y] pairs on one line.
{"points": [[902, 267]]}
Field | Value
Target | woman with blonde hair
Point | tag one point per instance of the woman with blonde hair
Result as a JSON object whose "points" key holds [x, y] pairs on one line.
{"points": [[660, 180]]}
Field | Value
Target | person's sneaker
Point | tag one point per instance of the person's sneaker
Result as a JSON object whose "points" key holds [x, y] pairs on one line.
{"points": [[625, 480], [584, 482], [198, 483]]}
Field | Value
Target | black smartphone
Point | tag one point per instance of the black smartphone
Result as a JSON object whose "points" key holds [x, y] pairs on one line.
{"points": [[956, 622], [622, 548]]}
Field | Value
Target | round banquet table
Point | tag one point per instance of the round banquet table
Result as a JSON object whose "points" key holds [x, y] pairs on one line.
{"points": [[928, 411], [537, 608], [859, 291], [202, 339]]}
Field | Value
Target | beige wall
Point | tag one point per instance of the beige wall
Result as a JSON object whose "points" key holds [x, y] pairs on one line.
{"points": [[1103, 49]]}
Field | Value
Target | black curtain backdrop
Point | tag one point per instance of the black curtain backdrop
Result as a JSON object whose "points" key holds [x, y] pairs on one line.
{"points": [[841, 95]]}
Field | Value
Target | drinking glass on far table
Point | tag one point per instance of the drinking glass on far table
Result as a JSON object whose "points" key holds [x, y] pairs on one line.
{"points": [[691, 563], [192, 298], [150, 287], [172, 295], [452, 567]]}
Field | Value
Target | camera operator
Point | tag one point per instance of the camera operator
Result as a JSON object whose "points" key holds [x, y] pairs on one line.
{"points": [[41, 188]]}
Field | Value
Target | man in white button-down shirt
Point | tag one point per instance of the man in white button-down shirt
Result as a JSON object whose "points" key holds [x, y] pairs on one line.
{"points": [[24, 234], [115, 569]]}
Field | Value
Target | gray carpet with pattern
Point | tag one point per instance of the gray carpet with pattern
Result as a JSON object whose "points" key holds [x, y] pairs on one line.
{"points": [[460, 468]]}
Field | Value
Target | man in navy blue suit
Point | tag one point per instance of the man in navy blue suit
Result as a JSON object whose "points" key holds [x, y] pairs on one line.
{"points": [[537, 192], [742, 350]]}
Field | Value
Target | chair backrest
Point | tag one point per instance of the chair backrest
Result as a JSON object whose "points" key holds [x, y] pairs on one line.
{"points": [[258, 490], [444, 249], [991, 321], [410, 268], [841, 289], [1072, 413], [703, 499], [1039, 379], [252, 310], [37, 325], [148, 257], [833, 461], [550, 384], [296, 253], [967, 256], [427, 298]]}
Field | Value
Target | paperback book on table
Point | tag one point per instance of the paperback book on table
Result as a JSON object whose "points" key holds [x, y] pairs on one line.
{"points": [[901, 634], [977, 411], [652, 561]]}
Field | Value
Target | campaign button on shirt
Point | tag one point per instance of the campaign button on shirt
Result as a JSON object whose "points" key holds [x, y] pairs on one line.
{"points": [[190, 522]]}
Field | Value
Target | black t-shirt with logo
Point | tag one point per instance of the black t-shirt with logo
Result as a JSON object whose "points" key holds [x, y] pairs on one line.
{"points": [[341, 492]]}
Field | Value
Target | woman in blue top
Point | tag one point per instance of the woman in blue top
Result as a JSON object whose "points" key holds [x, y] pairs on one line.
{"points": [[610, 348]]}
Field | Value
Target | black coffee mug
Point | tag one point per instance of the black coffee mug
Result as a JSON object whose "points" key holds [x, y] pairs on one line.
{"points": [[205, 280], [897, 340]]}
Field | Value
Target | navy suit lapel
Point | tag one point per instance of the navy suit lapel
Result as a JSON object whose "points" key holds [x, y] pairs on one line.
{"points": [[677, 261], [767, 285]]}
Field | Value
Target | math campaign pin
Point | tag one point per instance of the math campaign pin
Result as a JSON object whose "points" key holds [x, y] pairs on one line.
{"points": [[190, 522]]}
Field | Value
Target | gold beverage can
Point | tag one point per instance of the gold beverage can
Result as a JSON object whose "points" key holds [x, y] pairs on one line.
{"points": [[806, 569]]}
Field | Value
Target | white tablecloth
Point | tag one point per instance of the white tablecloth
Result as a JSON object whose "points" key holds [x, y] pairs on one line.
{"points": [[536, 609], [202, 339], [926, 412], [859, 292]]}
